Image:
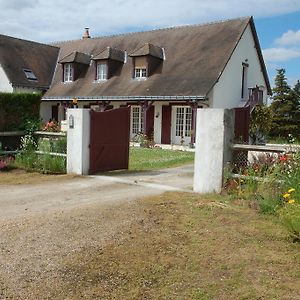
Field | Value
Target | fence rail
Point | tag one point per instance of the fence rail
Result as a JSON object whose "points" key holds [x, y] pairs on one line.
{"points": [[265, 148], [47, 133]]}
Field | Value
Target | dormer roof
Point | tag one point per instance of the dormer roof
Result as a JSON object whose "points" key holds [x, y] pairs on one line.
{"points": [[111, 53], [148, 49], [76, 57]]}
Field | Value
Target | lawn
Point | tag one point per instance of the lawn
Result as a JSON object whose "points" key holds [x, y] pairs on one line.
{"points": [[155, 158], [186, 246]]}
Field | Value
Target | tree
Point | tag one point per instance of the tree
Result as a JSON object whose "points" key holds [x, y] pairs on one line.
{"points": [[285, 107], [260, 123]]}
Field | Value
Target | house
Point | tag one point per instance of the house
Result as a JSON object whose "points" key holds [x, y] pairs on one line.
{"points": [[26, 66], [163, 75]]}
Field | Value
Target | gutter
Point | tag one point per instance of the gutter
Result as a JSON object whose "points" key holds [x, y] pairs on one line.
{"points": [[125, 98]]}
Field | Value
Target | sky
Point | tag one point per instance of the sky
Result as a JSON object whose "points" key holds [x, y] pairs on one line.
{"points": [[277, 22]]}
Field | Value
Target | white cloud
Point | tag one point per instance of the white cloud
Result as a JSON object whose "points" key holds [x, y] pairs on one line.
{"points": [[44, 20], [289, 38], [280, 54]]}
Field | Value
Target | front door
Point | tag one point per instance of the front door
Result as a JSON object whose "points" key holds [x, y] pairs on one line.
{"points": [[182, 125]]}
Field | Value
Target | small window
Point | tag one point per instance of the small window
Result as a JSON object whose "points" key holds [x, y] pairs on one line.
{"points": [[68, 72], [101, 71], [29, 74], [244, 81], [140, 73]]}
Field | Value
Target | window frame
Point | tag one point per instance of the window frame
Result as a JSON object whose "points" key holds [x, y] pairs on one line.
{"points": [[103, 78], [68, 72], [244, 81], [137, 120], [140, 73]]}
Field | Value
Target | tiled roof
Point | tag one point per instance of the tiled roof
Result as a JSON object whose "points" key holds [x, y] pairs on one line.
{"points": [[77, 57], [111, 53], [17, 55], [195, 57], [149, 49]]}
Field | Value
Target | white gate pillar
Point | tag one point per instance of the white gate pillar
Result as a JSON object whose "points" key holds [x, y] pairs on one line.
{"points": [[214, 135], [78, 141]]}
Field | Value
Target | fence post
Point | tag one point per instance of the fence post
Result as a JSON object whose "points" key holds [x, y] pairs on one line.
{"points": [[78, 140], [214, 136]]}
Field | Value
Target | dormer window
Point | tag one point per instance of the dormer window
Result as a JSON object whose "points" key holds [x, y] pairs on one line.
{"points": [[68, 72], [74, 65], [147, 60], [108, 63], [140, 73], [29, 74], [101, 72]]}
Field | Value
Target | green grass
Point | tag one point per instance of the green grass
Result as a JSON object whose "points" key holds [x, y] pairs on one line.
{"points": [[153, 158]]}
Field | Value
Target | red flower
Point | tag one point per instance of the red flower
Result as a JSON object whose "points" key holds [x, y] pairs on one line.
{"points": [[283, 158]]}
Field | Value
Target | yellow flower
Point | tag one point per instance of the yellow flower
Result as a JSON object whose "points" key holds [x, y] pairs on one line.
{"points": [[291, 190], [291, 201], [286, 195]]}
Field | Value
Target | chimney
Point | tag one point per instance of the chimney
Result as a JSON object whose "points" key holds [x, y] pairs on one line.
{"points": [[86, 34]]}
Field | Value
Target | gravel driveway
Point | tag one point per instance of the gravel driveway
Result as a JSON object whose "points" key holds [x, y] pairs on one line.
{"points": [[42, 224]]}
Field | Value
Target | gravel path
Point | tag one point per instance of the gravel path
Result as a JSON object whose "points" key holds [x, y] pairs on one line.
{"points": [[41, 225]]}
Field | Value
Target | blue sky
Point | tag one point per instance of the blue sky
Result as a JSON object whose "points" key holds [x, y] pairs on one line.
{"points": [[277, 21], [270, 30]]}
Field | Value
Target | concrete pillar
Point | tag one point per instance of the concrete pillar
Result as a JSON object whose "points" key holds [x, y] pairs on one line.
{"points": [[78, 140], [214, 135]]}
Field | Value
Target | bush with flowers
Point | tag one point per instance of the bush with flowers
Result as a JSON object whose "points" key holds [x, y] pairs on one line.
{"points": [[51, 126], [274, 182]]}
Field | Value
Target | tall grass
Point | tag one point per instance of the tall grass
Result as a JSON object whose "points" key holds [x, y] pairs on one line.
{"points": [[278, 190], [44, 163]]}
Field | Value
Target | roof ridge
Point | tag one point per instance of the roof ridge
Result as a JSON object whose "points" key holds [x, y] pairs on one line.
{"points": [[28, 41], [157, 29]]}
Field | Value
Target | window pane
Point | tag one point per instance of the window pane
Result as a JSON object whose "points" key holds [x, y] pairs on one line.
{"points": [[137, 119], [101, 71], [68, 72], [140, 73], [188, 121]]}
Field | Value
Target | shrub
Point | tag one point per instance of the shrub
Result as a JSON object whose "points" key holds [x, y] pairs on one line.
{"points": [[16, 109], [44, 163], [290, 217]]}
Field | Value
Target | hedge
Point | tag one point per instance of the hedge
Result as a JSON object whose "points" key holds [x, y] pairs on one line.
{"points": [[16, 109]]}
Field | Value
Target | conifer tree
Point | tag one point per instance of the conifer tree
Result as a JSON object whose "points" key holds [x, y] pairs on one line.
{"points": [[285, 107]]}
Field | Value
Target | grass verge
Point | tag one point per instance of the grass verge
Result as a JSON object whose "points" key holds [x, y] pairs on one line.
{"points": [[184, 246], [155, 158]]}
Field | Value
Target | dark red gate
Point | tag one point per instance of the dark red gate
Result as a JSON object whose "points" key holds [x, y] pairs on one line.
{"points": [[109, 140], [242, 123]]}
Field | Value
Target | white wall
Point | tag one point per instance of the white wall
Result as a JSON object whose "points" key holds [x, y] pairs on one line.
{"points": [[213, 141], [5, 86], [227, 92], [78, 152]]}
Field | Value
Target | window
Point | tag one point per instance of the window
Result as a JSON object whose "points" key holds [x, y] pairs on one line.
{"points": [[183, 121], [140, 73], [101, 73], [136, 119], [29, 74], [68, 72], [244, 81]]}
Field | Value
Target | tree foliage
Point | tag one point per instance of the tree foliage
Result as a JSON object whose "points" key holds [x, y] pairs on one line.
{"points": [[260, 122], [285, 107]]}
